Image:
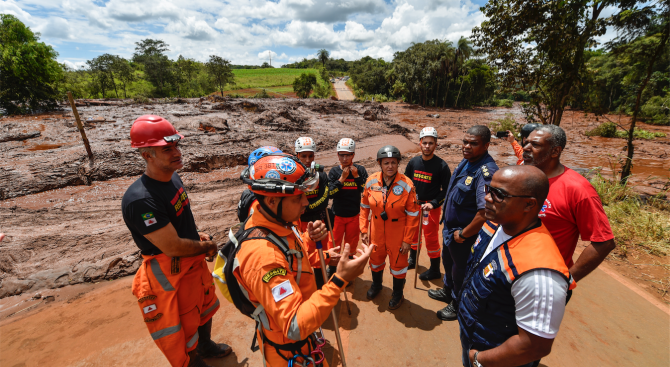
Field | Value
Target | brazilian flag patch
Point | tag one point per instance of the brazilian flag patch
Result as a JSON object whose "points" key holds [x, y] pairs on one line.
{"points": [[273, 273], [149, 219]]}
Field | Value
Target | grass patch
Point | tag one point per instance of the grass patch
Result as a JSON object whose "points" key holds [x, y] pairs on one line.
{"points": [[503, 103], [267, 78], [635, 223], [609, 130]]}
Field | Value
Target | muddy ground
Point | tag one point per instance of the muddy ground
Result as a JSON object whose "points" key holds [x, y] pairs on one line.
{"points": [[62, 213]]}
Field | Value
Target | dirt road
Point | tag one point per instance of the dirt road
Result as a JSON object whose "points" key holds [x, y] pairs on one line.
{"points": [[343, 92], [606, 324]]}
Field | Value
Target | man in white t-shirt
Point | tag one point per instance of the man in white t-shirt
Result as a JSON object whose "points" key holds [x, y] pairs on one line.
{"points": [[516, 282]]}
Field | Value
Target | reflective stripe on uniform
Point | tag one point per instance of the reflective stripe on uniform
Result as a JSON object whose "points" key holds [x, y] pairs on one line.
{"points": [[433, 251], [371, 182], [165, 332], [193, 340], [210, 309], [218, 278], [412, 214], [377, 266], [365, 206], [399, 272], [294, 329], [404, 185], [160, 276]]}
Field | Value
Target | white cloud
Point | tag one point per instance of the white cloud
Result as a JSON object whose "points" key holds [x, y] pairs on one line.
{"points": [[75, 64], [244, 31]]}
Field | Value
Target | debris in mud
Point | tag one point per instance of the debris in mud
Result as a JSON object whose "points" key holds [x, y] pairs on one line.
{"points": [[214, 125], [376, 112], [224, 107], [331, 108], [284, 120], [435, 116], [252, 107], [19, 136], [185, 113]]}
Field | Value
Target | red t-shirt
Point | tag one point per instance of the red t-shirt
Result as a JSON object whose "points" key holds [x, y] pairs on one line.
{"points": [[573, 208]]}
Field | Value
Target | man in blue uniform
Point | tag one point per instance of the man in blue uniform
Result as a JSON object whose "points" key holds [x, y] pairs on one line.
{"points": [[463, 215]]}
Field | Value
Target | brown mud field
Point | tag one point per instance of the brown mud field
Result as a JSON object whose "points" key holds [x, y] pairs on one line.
{"points": [[61, 213]]}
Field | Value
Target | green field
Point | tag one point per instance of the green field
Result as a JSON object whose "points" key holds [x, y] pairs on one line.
{"points": [[265, 78]]}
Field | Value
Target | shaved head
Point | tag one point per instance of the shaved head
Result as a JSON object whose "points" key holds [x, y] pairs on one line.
{"points": [[526, 180]]}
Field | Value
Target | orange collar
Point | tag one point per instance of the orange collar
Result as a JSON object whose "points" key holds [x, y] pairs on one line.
{"points": [[258, 219]]}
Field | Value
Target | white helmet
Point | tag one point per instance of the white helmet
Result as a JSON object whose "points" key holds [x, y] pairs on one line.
{"points": [[346, 145], [428, 131], [305, 144]]}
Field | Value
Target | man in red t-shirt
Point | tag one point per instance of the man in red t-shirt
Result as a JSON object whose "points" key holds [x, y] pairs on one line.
{"points": [[573, 207]]}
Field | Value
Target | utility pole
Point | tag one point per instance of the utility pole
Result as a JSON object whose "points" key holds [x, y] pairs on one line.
{"points": [[270, 54]]}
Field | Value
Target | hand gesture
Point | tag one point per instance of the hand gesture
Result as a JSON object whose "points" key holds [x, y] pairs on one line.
{"points": [[334, 254], [317, 230], [349, 269], [354, 171], [345, 173], [427, 206], [365, 238], [510, 136]]}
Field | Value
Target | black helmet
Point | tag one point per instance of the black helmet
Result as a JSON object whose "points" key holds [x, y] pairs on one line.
{"points": [[527, 129], [389, 151]]}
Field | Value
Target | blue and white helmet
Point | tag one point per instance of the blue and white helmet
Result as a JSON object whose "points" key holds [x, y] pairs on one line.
{"points": [[260, 153]]}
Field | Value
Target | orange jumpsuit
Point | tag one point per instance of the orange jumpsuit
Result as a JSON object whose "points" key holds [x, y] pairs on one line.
{"points": [[388, 235], [294, 310], [175, 295], [518, 152]]}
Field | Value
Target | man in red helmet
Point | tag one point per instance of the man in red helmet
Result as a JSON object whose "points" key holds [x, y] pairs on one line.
{"points": [[289, 307], [173, 285]]}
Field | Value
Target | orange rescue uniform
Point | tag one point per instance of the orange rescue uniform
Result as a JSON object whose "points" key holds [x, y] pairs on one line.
{"points": [[401, 226], [175, 295], [294, 310]]}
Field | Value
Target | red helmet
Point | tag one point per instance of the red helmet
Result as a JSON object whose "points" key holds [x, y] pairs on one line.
{"points": [[280, 175], [152, 131]]}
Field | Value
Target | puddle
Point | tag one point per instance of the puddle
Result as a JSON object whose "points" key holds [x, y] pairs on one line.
{"points": [[44, 147]]}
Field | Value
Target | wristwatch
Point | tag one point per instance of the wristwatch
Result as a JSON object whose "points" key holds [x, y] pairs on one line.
{"points": [[476, 362]]}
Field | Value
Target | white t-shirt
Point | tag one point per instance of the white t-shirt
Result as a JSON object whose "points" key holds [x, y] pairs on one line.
{"points": [[539, 296]]}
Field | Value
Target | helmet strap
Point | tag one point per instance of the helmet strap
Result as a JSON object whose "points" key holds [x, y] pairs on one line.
{"points": [[277, 216]]}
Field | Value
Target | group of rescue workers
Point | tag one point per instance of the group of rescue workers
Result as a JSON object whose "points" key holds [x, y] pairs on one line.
{"points": [[509, 236]]}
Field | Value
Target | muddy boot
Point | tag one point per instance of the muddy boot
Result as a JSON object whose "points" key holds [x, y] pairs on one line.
{"points": [[196, 359], [412, 259], [397, 296], [433, 272], [206, 347], [376, 286], [443, 294], [449, 313]]}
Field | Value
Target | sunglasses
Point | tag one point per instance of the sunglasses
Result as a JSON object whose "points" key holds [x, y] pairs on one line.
{"points": [[498, 195]]}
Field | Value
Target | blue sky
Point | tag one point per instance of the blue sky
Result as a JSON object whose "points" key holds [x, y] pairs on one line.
{"points": [[244, 31]]}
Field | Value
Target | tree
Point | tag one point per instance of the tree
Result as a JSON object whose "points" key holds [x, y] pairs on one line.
{"points": [[29, 72], [643, 37], [266, 66], [538, 47], [303, 84], [157, 66], [124, 72], [322, 55], [103, 70], [185, 71], [220, 72]]}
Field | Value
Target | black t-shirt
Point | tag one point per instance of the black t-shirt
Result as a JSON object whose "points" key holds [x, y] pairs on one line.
{"points": [[347, 196], [431, 178], [149, 205], [318, 201]]}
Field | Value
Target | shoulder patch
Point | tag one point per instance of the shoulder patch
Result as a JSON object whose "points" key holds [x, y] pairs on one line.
{"points": [[397, 190], [281, 291], [147, 298], [486, 174], [273, 273], [152, 319]]}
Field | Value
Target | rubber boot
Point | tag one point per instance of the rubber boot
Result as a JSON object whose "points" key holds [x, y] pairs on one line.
{"points": [[449, 313], [397, 296], [195, 360], [206, 347], [412, 259], [443, 294], [433, 272], [376, 286]]}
